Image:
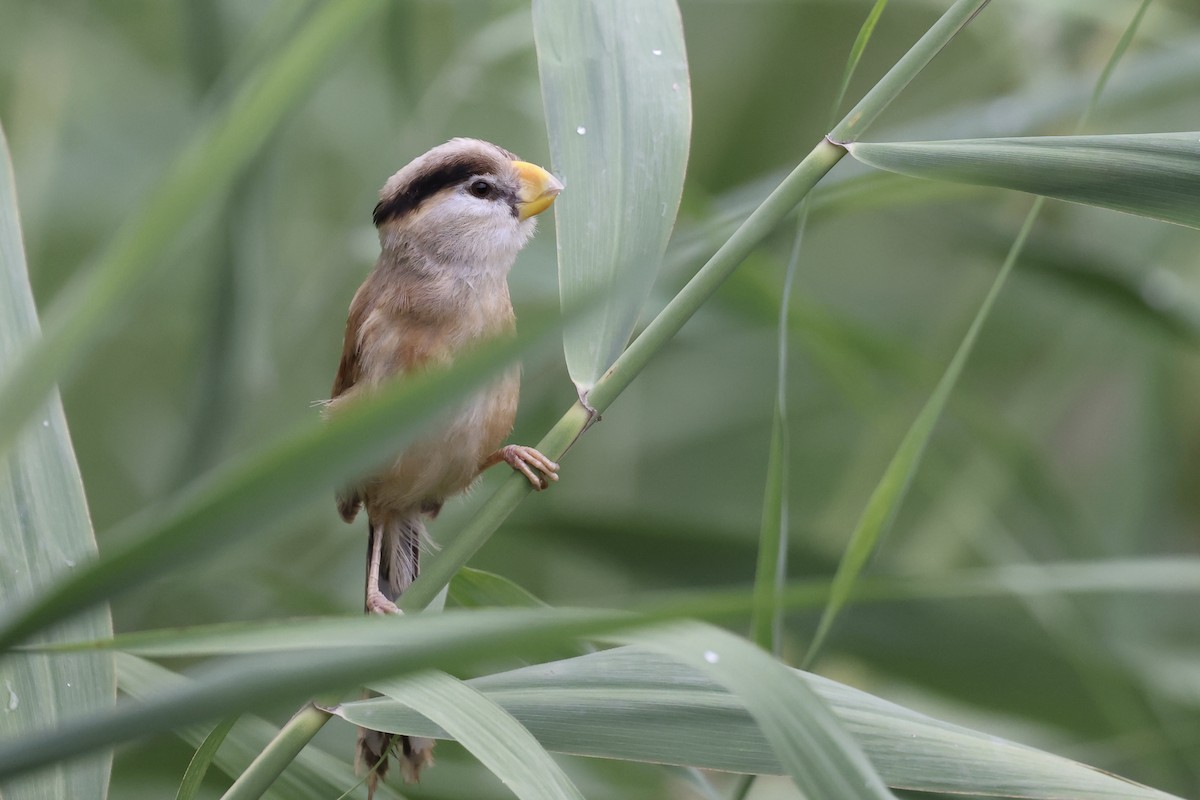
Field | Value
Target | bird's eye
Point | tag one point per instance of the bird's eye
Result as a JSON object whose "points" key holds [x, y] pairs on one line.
{"points": [[480, 188]]}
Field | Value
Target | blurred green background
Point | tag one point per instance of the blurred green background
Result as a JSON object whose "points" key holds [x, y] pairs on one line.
{"points": [[1075, 434]]}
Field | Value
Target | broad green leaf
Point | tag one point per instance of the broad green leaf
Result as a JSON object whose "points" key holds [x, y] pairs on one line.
{"points": [[45, 533], [618, 108], [811, 743], [313, 775], [306, 659], [259, 490], [634, 704], [1153, 175], [205, 168], [292, 665], [491, 734]]}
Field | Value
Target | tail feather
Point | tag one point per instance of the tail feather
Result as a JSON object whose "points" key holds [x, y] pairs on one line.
{"points": [[400, 563]]}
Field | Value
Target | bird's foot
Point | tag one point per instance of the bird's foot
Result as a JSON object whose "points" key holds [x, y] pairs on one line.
{"points": [[525, 460], [377, 603]]}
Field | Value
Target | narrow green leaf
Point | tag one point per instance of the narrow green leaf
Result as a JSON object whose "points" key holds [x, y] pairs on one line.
{"points": [[205, 168], [313, 775], [615, 86], [259, 490], [202, 759], [864, 114], [45, 533], [766, 622], [489, 732], [331, 633], [1152, 175], [856, 50], [888, 495], [633, 704], [771, 573], [1173, 576], [308, 660], [1110, 66]]}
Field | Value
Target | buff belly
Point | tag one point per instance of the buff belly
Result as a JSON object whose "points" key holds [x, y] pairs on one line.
{"points": [[446, 460]]}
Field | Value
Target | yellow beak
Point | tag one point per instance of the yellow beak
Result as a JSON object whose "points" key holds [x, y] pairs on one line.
{"points": [[538, 189]]}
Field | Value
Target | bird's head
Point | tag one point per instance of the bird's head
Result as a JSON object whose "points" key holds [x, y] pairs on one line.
{"points": [[466, 202]]}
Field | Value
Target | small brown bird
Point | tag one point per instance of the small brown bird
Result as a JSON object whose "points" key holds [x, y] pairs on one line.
{"points": [[450, 226]]}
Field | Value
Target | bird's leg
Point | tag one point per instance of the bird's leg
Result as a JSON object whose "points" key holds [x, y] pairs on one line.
{"points": [[524, 460], [377, 602]]}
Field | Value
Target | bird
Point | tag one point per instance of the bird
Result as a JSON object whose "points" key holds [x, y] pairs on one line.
{"points": [[450, 225]]}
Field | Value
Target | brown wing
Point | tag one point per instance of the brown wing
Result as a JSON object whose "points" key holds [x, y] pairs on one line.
{"points": [[350, 498], [347, 373]]}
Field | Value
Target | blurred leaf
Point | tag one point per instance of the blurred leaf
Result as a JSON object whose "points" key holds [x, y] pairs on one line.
{"points": [[488, 731], [304, 659], [257, 491], [445, 564], [321, 633], [630, 703], [474, 588], [770, 575], [766, 621], [97, 299], [618, 107], [888, 495], [1153, 175], [44, 533], [1175, 575], [313, 775]]}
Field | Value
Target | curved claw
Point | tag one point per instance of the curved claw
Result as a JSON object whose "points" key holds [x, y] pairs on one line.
{"points": [[525, 460]]}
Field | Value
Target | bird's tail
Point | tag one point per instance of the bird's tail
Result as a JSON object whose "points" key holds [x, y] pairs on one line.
{"points": [[399, 563]]}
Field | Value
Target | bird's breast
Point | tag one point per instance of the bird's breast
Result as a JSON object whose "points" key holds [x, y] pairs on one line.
{"points": [[433, 324], [446, 460]]}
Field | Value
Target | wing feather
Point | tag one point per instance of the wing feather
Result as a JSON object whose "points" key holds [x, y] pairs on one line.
{"points": [[350, 498]]}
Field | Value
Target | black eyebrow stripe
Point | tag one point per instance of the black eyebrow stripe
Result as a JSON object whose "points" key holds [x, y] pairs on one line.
{"points": [[428, 184]]}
